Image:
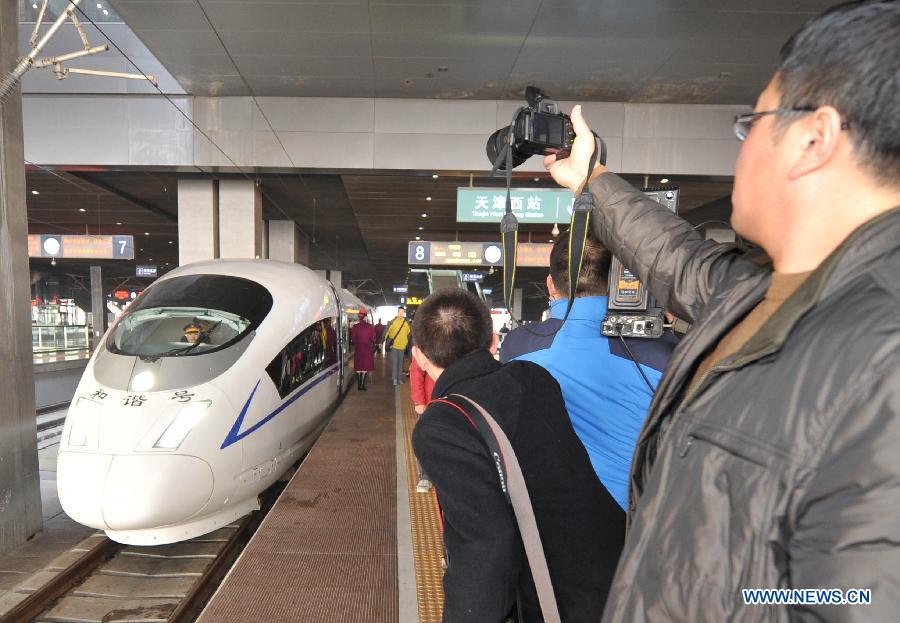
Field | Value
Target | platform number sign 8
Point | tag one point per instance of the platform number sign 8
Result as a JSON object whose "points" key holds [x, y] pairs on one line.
{"points": [[419, 253]]}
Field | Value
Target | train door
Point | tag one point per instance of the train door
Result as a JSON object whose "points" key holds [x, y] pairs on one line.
{"points": [[340, 320]]}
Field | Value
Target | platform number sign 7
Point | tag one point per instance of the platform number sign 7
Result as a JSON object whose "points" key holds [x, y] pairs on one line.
{"points": [[419, 252], [123, 247]]}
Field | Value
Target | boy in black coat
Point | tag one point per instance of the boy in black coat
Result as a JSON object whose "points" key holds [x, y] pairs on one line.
{"points": [[581, 526]]}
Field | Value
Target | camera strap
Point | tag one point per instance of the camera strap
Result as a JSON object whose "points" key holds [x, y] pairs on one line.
{"points": [[578, 233], [512, 484]]}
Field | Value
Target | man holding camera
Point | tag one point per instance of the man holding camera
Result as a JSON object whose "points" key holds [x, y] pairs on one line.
{"points": [[770, 458], [607, 383]]}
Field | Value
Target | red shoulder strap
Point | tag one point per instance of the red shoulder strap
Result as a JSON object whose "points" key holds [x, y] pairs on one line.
{"points": [[458, 408]]}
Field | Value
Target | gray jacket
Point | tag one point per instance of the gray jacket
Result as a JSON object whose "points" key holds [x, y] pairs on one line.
{"points": [[782, 468]]}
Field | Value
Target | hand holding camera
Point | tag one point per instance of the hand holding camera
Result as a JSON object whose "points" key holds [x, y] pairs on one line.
{"points": [[569, 172]]}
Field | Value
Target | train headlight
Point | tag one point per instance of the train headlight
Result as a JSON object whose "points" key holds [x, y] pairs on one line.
{"points": [[84, 422], [183, 423]]}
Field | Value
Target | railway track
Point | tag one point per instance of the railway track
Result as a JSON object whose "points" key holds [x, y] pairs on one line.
{"points": [[107, 581]]}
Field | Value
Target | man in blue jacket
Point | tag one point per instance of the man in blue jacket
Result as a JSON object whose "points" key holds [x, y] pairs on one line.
{"points": [[606, 396]]}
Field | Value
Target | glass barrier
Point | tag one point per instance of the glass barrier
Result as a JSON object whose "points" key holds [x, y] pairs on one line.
{"points": [[60, 342]]}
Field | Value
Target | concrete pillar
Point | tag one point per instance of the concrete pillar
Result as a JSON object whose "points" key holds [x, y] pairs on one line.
{"points": [[20, 487], [303, 251], [334, 276], [98, 304], [198, 221], [287, 244], [240, 219]]}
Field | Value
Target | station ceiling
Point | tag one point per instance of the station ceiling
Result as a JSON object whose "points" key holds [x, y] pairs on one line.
{"points": [[679, 51], [669, 51]]}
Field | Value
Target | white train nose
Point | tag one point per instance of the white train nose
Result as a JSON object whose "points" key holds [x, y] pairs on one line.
{"points": [[138, 491]]}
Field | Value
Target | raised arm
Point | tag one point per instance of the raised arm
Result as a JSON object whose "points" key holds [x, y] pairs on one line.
{"points": [[680, 269]]}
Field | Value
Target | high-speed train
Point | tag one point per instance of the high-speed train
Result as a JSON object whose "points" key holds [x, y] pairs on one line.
{"points": [[201, 395]]}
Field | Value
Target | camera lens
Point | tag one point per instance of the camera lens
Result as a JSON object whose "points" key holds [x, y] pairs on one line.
{"points": [[496, 144]]}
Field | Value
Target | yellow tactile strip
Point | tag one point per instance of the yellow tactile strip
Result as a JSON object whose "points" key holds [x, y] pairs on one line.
{"points": [[428, 544]]}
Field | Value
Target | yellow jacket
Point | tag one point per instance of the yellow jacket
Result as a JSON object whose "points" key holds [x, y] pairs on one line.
{"points": [[398, 330]]}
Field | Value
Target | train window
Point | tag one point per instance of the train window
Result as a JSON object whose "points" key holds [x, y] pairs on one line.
{"points": [[190, 315], [308, 354]]}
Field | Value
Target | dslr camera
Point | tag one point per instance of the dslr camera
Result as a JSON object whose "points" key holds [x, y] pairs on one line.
{"points": [[538, 129]]}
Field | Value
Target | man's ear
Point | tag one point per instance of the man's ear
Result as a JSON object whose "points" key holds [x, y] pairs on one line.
{"points": [[551, 289], [819, 135], [495, 343], [419, 356]]}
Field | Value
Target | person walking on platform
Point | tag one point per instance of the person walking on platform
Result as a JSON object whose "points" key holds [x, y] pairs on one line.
{"points": [[487, 577], [379, 334], [769, 458], [420, 388], [362, 335], [396, 338], [607, 395]]}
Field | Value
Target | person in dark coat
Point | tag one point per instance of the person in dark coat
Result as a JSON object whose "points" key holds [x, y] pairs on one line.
{"points": [[581, 527], [379, 333], [769, 458], [362, 335]]}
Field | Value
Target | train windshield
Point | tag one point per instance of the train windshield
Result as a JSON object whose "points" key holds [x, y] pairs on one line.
{"points": [[191, 315]]}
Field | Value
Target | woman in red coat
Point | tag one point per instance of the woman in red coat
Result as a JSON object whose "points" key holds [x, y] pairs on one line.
{"points": [[420, 387], [363, 338]]}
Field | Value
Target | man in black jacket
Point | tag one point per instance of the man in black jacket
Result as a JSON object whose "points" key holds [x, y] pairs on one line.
{"points": [[770, 458], [580, 525]]}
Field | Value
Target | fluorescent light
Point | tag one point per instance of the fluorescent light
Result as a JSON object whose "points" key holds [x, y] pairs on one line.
{"points": [[421, 228], [427, 198], [418, 237], [82, 210], [105, 12], [435, 176], [424, 215], [99, 6], [183, 423], [118, 223], [664, 180], [146, 233], [171, 242], [34, 192]]}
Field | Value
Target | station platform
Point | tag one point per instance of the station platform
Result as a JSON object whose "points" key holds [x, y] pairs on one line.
{"points": [[349, 539]]}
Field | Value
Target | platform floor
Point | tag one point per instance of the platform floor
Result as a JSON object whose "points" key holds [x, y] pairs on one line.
{"points": [[349, 540]]}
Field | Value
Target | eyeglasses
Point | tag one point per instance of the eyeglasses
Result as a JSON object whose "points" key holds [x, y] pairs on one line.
{"points": [[744, 123]]}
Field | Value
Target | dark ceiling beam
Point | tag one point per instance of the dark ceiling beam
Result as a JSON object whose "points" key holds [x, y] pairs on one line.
{"points": [[151, 207]]}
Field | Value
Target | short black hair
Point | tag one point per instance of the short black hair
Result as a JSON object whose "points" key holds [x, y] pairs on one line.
{"points": [[848, 57], [593, 280], [451, 324]]}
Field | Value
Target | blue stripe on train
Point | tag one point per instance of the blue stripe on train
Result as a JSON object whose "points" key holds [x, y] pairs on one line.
{"points": [[234, 435]]}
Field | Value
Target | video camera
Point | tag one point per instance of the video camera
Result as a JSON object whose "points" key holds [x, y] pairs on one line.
{"points": [[632, 311], [538, 129]]}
